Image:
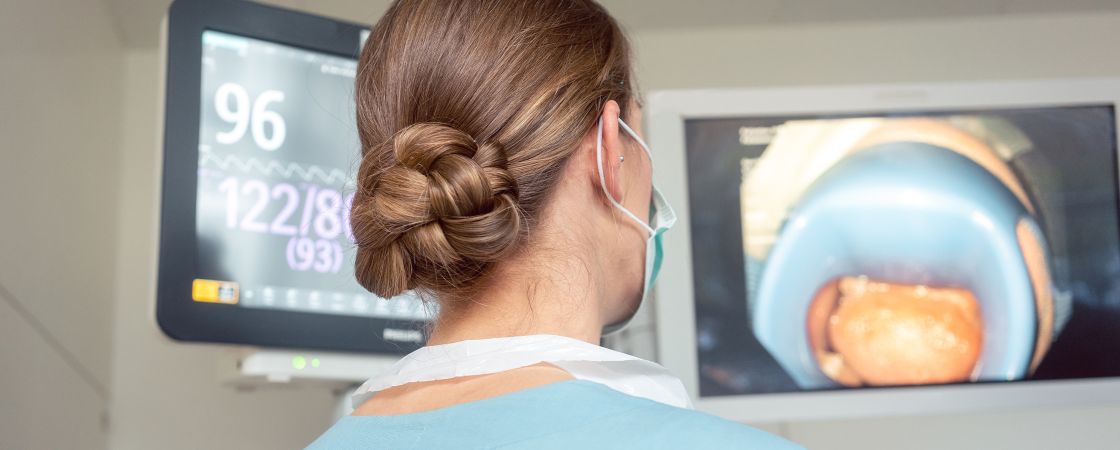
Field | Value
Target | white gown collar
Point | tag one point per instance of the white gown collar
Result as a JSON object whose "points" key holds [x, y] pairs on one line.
{"points": [[584, 361]]}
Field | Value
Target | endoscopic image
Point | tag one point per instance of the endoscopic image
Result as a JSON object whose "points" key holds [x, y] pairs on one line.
{"points": [[906, 250]]}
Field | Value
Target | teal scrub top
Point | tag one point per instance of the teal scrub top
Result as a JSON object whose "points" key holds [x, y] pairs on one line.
{"points": [[566, 415]]}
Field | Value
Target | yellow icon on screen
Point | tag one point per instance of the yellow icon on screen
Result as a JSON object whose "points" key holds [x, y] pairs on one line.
{"points": [[213, 291]]}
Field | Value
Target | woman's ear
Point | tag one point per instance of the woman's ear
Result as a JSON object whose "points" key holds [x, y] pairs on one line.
{"points": [[609, 159]]}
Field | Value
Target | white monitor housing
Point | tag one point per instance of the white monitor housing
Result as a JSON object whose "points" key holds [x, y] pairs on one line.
{"points": [[667, 113]]}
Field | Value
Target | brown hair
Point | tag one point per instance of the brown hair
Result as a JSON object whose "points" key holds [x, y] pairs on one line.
{"points": [[468, 111]]}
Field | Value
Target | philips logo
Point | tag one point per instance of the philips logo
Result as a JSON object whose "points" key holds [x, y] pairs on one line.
{"points": [[399, 335], [756, 135]]}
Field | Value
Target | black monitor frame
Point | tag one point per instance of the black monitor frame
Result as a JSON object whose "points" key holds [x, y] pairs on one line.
{"points": [[177, 314]]}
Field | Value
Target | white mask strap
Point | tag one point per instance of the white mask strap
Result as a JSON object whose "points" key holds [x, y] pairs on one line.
{"points": [[602, 173]]}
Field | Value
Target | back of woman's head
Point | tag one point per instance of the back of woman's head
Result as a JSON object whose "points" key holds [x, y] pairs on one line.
{"points": [[468, 111]]}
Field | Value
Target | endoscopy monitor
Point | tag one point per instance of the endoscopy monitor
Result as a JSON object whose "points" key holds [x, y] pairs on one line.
{"points": [[878, 250], [260, 153]]}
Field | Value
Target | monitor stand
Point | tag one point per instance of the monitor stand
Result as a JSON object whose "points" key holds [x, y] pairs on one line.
{"points": [[250, 367]]}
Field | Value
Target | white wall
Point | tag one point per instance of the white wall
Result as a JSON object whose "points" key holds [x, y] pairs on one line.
{"points": [[906, 51], [1027, 47], [59, 94]]}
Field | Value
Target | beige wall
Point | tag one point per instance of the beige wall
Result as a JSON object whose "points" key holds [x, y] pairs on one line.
{"points": [[60, 92], [1027, 47]]}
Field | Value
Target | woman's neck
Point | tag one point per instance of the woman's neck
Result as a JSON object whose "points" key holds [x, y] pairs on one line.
{"points": [[564, 302], [557, 285]]}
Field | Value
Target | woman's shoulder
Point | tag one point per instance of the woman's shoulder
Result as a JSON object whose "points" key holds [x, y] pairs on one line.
{"points": [[656, 425], [693, 429], [564, 415]]}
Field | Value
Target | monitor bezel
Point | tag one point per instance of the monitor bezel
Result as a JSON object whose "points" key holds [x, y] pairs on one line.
{"points": [[177, 315], [675, 319]]}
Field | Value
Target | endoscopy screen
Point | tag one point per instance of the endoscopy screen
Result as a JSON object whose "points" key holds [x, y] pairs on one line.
{"points": [[278, 150], [904, 249]]}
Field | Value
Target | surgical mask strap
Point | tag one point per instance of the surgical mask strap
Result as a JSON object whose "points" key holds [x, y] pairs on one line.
{"points": [[602, 172]]}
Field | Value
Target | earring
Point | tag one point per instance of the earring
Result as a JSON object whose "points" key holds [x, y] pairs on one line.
{"points": [[621, 159]]}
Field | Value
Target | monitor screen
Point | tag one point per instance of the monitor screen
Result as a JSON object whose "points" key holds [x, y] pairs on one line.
{"points": [[277, 154], [867, 251]]}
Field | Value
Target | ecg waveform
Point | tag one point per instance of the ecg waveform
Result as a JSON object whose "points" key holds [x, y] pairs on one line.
{"points": [[271, 168]]}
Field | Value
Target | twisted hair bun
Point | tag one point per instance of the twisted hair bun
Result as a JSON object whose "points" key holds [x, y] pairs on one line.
{"points": [[435, 210], [437, 216]]}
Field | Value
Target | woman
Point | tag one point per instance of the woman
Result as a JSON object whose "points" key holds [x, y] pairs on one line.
{"points": [[500, 180]]}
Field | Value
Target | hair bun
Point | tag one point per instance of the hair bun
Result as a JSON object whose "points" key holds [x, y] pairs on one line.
{"points": [[437, 217]]}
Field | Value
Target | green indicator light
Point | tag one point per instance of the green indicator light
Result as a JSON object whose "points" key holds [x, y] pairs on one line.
{"points": [[314, 362], [299, 362]]}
